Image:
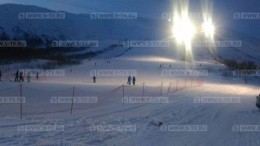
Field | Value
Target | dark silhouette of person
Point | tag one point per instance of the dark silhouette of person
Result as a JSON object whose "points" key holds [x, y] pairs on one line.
{"points": [[37, 75], [29, 77], [258, 101], [129, 80], [16, 76], [133, 80], [21, 77], [94, 79]]}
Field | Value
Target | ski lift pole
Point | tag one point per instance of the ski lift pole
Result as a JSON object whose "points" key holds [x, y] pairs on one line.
{"points": [[177, 85], [21, 104], [161, 89], [73, 95], [169, 87], [123, 90], [143, 91]]}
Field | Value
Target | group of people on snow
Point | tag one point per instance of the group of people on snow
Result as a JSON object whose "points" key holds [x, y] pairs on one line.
{"points": [[162, 66], [129, 80], [19, 76]]}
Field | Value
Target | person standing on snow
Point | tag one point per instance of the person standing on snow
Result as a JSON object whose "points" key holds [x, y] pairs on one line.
{"points": [[28, 77], [37, 75], [133, 80], [21, 77], [129, 80], [258, 101], [94, 79], [16, 76]]}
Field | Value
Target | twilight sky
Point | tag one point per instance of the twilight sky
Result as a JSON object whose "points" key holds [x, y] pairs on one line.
{"points": [[85, 6], [223, 9], [73, 6]]}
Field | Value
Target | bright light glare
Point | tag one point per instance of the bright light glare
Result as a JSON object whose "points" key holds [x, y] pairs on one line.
{"points": [[208, 29], [183, 30]]}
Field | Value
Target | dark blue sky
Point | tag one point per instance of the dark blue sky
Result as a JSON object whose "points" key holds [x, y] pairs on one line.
{"points": [[85, 6], [223, 10]]}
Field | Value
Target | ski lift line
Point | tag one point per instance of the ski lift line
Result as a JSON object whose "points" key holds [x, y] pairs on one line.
{"points": [[65, 110], [151, 85], [199, 84], [110, 92], [68, 109]]}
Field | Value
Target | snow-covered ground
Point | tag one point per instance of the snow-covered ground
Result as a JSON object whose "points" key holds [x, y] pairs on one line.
{"points": [[216, 109], [82, 127]]}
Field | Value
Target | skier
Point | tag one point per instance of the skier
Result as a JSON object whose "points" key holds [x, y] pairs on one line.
{"points": [[0, 75], [16, 76], [37, 75], [258, 101], [28, 77], [21, 77], [133, 80], [129, 80], [94, 79]]}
